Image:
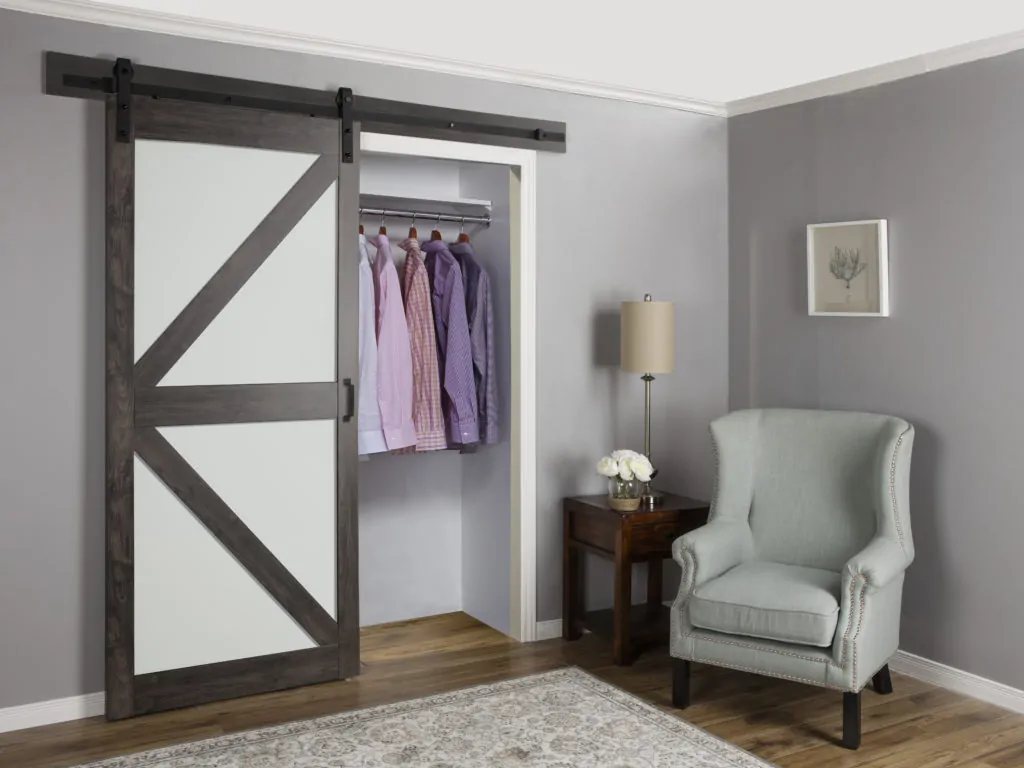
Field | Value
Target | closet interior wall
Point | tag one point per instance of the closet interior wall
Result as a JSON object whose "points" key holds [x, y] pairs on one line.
{"points": [[435, 528]]}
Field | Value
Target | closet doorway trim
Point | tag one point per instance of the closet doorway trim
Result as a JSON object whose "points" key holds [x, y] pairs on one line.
{"points": [[523, 507]]}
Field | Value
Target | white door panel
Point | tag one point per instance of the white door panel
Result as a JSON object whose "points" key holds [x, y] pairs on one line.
{"points": [[194, 205], [280, 325], [278, 477], [194, 603]]}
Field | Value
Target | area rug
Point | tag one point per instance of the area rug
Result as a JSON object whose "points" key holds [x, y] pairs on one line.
{"points": [[561, 719]]}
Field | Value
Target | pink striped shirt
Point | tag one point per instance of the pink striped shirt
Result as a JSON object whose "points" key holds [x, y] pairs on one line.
{"points": [[394, 360], [426, 381]]}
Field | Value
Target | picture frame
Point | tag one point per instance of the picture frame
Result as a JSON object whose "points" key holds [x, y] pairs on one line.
{"points": [[848, 268]]}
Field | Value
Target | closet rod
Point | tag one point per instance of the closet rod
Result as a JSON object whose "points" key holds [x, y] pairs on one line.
{"points": [[425, 216]]}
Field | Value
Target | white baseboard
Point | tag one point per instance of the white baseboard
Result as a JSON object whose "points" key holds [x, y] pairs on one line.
{"points": [[957, 680], [52, 711], [549, 630]]}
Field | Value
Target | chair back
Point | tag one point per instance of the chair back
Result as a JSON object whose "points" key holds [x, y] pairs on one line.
{"points": [[818, 487]]}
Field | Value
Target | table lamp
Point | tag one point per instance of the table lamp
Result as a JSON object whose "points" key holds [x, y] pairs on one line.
{"points": [[648, 333]]}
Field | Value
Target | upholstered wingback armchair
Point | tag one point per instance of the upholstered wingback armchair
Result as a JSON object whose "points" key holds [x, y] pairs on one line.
{"points": [[799, 572]]}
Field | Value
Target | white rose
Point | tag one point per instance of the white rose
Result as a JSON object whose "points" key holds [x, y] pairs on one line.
{"points": [[625, 471], [624, 454], [608, 467], [641, 467]]}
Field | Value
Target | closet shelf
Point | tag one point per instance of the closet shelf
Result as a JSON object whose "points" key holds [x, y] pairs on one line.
{"points": [[450, 209]]}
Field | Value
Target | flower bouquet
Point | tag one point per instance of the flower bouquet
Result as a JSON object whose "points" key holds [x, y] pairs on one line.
{"points": [[626, 472]]}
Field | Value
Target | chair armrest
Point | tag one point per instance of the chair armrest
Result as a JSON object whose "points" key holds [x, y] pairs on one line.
{"points": [[711, 550], [879, 562], [868, 628]]}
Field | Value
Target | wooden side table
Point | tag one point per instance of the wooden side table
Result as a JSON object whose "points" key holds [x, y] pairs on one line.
{"points": [[646, 535]]}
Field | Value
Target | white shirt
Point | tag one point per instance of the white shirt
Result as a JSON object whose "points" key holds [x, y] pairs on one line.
{"points": [[371, 433]]}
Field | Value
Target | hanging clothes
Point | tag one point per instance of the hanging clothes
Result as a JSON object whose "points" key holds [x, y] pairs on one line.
{"points": [[454, 349], [426, 381], [394, 360], [371, 435], [480, 315]]}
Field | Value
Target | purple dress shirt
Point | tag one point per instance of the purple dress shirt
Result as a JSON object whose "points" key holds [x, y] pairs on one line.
{"points": [[454, 348], [480, 314]]}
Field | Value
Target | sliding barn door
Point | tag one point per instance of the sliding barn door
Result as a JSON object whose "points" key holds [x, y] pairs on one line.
{"points": [[231, 357]]}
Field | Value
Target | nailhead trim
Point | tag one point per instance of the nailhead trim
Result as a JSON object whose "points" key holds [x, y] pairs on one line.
{"points": [[741, 668], [892, 489], [860, 620], [691, 573], [754, 647], [849, 627], [714, 491]]}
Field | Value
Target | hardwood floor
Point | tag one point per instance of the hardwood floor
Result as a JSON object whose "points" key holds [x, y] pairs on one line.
{"points": [[788, 724]]}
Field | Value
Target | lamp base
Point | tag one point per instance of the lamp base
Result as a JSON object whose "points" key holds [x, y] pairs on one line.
{"points": [[650, 497]]}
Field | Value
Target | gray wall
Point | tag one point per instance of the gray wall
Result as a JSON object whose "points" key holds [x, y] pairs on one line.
{"points": [[941, 156], [602, 214]]}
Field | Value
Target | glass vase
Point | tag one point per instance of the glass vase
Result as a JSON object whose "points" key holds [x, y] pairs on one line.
{"points": [[623, 495]]}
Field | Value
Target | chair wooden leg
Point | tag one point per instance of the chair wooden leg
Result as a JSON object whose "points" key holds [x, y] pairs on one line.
{"points": [[680, 683], [851, 720], [882, 682]]}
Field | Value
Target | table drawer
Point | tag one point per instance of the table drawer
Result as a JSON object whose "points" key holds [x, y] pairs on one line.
{"points": [[657, 538], [596, 530]]}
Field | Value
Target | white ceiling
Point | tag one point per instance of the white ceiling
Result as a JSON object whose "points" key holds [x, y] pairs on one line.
{"points": [[714, 52]]}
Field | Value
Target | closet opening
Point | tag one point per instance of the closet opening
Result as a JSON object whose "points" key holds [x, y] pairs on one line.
{"points": [[443, 527]]}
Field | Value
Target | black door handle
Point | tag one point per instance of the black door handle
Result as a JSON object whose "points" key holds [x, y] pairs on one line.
{"points": [[350, 399]]}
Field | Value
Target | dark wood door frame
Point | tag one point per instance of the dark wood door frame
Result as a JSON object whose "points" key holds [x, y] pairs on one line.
{"points": [[136, 406], [347, 451]]}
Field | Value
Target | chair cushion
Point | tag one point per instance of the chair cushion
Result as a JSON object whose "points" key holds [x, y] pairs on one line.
{"points": [[771, 601]]}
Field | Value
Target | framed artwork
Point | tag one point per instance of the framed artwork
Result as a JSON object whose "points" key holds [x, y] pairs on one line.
{"points": [[848, 269]]}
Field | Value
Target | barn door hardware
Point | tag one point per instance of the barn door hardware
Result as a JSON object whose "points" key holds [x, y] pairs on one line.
{"points": [[91, 78], [123, 72], [344, 99]]}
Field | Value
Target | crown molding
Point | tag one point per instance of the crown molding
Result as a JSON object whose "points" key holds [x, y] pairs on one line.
{"points": [[883, 73], [189, 26], [95, 12]]}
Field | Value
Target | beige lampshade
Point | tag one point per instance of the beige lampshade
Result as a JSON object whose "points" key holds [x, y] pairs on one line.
{"points": [[648, 336]]}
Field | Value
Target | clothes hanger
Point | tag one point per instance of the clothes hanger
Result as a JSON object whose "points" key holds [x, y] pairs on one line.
{"points": [[463, 237], [436, 234], [383, 230], [412, 230]]}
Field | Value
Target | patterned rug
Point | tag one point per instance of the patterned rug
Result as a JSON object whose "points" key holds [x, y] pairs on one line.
{"points": [[560, 719]]}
